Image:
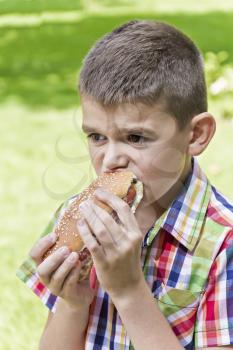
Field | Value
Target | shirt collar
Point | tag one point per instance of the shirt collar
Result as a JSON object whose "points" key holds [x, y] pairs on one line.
{"points": [[184, 218]]}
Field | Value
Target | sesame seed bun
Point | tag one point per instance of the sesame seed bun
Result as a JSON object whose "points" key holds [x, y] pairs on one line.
{"points": [[123, 184]]}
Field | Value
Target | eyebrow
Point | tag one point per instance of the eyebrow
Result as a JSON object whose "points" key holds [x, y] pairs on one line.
{"points": [[132, 130]]}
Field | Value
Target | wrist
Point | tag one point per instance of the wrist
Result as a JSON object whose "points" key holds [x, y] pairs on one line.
{"points": [[74, 308], [80, 314], [127, 293]]}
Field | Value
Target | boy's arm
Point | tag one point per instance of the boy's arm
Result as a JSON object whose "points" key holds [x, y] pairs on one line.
{"points": [[65, 329], [127, 288], [144, 322]]}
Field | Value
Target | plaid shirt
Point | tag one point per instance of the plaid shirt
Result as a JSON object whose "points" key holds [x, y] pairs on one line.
{"points": [[187, 259]]}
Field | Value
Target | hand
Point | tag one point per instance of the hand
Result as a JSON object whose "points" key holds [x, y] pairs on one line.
{"points": [[60, 273], [115, 248]]}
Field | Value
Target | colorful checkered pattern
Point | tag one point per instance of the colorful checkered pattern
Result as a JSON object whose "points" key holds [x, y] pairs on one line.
{"points": [[187, 259]]}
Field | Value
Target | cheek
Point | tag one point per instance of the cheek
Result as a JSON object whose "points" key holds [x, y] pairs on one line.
{"points": [[162, 161], [168, 160], [162, 171], [96, 158]]}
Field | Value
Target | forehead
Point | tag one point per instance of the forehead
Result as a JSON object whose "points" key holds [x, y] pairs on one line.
{"points": [[125, 116]]}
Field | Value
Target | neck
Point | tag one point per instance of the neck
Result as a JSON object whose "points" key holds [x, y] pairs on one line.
{"points": [[166, 200]]}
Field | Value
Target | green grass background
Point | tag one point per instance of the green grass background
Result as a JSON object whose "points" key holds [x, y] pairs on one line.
{"points": [[40, 119]]}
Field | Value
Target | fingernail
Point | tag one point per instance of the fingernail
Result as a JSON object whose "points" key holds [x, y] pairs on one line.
{"points": [[72, 257], [99, 191], [84, 204], [64, 250], [80, 222], [53, 237]]}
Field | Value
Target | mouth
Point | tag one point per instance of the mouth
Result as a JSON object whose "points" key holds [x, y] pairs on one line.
{"points": [[122, 170], [116, 171]]}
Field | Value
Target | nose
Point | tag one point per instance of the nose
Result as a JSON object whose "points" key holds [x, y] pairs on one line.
{"points": [[114, 158]]}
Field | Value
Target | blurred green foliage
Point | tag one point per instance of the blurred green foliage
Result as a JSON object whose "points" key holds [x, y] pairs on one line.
{"points": [[31, 6], [219, 76], [42, 71]]}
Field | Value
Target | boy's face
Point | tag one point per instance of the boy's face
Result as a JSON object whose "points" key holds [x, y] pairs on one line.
{"points": [[143, 139]]}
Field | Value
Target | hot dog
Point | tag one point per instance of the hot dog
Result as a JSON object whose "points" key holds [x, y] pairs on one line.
{"points": [[123, 184]]}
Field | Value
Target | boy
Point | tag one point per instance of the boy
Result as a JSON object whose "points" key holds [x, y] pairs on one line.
{"points": [[166, 282]]}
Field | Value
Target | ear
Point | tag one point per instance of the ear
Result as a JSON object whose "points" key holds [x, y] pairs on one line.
{"points": [[202, 129]]}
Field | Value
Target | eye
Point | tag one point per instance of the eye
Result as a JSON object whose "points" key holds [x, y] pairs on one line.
{"points": [[94, 137], [133, 138], [137, 138]]}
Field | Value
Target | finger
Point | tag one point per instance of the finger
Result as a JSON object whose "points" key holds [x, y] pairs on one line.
{"points": [[101, 223], [121, 207], [51, 263], [41, 247], [89, 240], [58, 277], [71, 280]]}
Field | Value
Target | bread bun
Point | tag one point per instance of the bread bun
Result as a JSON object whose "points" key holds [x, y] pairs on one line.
{"points": [[122, 184]]}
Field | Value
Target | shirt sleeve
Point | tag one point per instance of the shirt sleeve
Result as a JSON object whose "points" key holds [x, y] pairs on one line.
{"points": [[214, 322], [27, 270]]}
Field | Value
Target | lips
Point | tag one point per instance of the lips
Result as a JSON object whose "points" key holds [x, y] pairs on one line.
{"points": [[115, 171], [123, 170]]}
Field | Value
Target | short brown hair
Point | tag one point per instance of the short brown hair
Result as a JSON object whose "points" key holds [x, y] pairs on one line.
{"points": [[143, 61]]}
